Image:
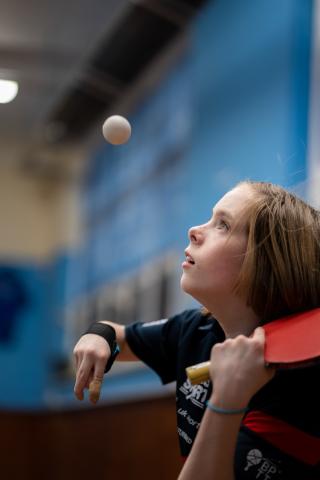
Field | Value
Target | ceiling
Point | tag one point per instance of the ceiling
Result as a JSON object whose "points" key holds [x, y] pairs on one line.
{"points": [[73, 60]]}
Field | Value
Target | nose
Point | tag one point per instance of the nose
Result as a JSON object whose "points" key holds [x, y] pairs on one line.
{"points": [[195, 234]]}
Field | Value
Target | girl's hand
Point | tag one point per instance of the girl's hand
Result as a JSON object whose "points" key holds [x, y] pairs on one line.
{"points": [[91, 354], [238, 370]]}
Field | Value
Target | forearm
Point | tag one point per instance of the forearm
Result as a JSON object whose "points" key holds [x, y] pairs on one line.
{"points": [[212, 454], [126, 354]]}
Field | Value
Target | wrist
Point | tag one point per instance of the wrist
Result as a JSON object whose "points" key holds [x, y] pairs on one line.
{"points": [[225, 411], [231, 404], [107, 332]]}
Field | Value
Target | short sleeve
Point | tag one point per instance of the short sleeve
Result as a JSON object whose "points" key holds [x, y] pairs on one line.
{"points": [[156, 343]]}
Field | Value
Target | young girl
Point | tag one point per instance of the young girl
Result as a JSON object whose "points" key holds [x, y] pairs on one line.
{"points": [[255, 260]]}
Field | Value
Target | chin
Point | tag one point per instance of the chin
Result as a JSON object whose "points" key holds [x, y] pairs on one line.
{"points": [[185, 285]]}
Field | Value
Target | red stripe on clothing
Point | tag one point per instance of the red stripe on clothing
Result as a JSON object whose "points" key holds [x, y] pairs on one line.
{"points": [[285, 437]]}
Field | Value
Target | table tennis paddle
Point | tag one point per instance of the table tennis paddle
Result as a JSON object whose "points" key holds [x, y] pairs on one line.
{"points": [[291, 341]]}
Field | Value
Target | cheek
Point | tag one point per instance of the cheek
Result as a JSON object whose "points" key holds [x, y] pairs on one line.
{"points": [[226, 262]]}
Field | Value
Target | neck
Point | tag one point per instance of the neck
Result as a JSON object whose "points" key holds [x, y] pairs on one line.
{"points": [[235, 318]]}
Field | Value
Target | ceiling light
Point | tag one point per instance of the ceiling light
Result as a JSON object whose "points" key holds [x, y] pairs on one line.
{"points": [[8, 90]]}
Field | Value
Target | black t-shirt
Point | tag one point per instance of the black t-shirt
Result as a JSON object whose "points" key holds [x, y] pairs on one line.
{"points": [[169, 346]]}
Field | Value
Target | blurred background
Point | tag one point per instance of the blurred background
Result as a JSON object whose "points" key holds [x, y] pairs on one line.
{"points": [[216, 91]]}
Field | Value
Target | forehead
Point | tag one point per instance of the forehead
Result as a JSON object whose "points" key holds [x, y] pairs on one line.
{"points": [[235, 201]]}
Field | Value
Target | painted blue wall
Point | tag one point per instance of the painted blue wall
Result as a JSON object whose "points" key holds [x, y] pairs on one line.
{"points": [[250, 72], [23, 358]]}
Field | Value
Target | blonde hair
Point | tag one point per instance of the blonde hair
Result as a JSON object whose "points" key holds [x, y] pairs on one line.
{"points": [[280, 273]]}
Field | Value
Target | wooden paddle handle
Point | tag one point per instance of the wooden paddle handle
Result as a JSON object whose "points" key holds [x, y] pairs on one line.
{"points": [[198, 373]]}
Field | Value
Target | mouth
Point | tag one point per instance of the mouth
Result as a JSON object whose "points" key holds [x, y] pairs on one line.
{"points": [[189, 259]]}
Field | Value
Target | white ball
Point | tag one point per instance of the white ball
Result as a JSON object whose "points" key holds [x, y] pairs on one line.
{"points": [[116, 130]]}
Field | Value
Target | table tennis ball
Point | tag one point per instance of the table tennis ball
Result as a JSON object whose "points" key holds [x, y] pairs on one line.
{"points": [[116, 130]]}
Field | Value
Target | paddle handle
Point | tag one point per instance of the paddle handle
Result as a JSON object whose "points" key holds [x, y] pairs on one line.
{"points": [[198, 373]]}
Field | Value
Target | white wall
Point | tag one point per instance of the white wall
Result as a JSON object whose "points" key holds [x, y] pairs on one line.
{"points": [[36, 217]]}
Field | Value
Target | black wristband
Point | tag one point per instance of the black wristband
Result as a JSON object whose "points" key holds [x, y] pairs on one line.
{"points": [[104, 330], [109, 334]]}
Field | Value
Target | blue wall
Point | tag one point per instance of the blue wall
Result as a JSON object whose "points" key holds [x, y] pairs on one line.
{"points": [[250, 72], [23, 357]]}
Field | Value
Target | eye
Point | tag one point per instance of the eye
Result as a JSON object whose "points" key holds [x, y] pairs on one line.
{"points": [[222, 225]]}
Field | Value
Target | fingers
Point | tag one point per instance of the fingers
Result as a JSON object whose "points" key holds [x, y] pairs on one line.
{"points": [[94, 390], [90, 356], [82, 378], [259, 334], [96, 383], [90, 376]]}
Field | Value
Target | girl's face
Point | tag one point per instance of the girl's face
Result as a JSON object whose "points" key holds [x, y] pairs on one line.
{"points": [[216, 250]]}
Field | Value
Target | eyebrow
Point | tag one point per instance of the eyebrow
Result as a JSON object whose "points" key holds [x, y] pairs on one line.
{"points": [[222, 213]]}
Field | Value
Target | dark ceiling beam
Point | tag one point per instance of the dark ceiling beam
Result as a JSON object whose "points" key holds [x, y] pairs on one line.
{"points": [[141, 34]]}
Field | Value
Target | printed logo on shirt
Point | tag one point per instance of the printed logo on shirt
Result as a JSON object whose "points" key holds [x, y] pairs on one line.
{"points": [[184, 413], [196, 394], [185, 436], [155, 322], [265, 469]]}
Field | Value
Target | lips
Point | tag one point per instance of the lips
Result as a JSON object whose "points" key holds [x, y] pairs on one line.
{"points": [[189, 258]]}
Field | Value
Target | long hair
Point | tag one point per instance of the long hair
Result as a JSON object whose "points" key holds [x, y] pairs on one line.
{"points": [[280, 273]]}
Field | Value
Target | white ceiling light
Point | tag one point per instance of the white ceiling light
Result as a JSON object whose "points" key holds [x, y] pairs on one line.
{"points": [[8, 90]]}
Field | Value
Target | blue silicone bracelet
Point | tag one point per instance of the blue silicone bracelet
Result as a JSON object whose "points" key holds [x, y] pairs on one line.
{"points": [[225, 411]]}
